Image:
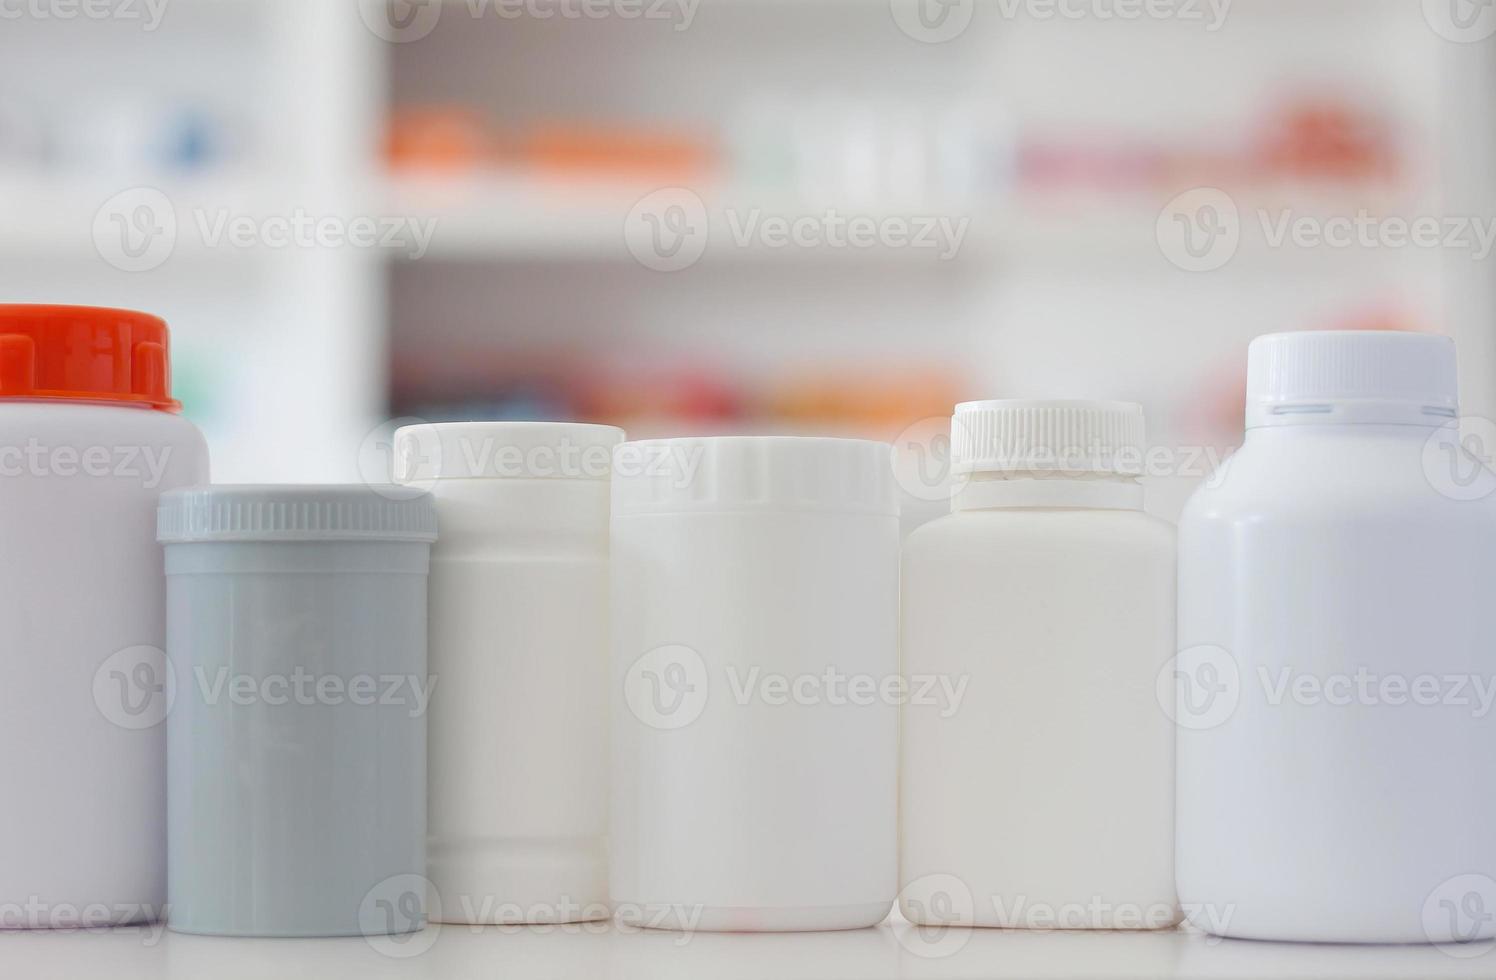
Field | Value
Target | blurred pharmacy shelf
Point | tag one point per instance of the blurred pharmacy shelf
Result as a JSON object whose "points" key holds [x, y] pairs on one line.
{"points": [[531, 142]]}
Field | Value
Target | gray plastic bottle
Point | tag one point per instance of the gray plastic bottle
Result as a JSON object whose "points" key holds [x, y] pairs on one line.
{"points": [[296, 738]]}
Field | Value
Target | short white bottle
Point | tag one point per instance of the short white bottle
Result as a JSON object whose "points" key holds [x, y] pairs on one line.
{"points": [[1037, 771], [518, 771], [1335, 778]]}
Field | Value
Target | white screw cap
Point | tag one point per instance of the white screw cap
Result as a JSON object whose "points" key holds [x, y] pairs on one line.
{"points": [[1047, 437], [1374, 376]]}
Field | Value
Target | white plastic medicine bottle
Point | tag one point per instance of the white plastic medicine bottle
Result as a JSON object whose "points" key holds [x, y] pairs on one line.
{"points": [[518, 774], [1335, 590], [90, 437], [755, 647], [1038, 791]]}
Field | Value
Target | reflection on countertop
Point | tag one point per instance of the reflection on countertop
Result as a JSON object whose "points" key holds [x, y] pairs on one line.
{"points": [[892, 950]]}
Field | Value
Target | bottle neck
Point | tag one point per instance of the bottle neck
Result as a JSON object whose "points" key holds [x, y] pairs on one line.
{"points": [[1326, 428], [1262, 414], [1048, 491]]}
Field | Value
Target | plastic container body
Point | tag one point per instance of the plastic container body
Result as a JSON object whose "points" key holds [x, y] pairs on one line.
{"points": [[1043, 796], [755, 618], [297, 737], [1334, 641], [519, 638], [82, 707]]}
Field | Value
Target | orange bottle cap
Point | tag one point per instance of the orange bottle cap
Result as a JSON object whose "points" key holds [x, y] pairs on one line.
{"points": [[85, 353]]}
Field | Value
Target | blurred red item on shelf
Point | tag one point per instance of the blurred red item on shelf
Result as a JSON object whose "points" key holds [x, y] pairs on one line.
{"points": [[1330, 140], [693, 395], [441, 138], [876, 399], [1098, 166], [583, 149]]}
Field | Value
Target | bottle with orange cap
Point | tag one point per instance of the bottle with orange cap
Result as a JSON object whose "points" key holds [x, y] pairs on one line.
{"points": [[89, 438]]}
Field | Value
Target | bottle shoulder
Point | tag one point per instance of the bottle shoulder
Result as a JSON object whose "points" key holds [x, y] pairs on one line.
{"points": [[1344, 477], [979, 532]]}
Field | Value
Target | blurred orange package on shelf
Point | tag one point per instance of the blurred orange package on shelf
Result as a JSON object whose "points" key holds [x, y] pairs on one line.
{"points": [[581, 149], [438, 138]]}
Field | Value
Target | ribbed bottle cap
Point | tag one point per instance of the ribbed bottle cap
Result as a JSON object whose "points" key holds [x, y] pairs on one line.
{"points": [[1351, 376], [295, 513], [767, 473], [504, 450], [1047, 437]]}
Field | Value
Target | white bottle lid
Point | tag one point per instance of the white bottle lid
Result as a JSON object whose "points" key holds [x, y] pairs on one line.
{"points": [[754, 473], [1368, 376], [504, 450], [1050, 437]]}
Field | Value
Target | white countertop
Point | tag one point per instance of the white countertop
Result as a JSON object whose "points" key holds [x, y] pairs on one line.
{"points": [[595, 951]]}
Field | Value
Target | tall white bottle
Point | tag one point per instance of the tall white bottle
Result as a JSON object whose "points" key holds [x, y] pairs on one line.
{"points": [[755, 639], [518, 772], [1038, 792], [1335, 751]]}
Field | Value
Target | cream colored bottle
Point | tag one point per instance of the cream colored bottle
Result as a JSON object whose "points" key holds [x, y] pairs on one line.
{"points": [[1037, 790]]}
